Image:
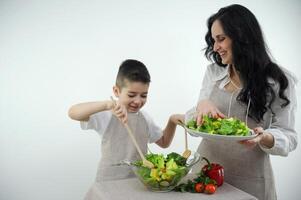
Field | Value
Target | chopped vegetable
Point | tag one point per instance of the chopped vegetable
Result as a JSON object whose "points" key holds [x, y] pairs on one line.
{"points": [[180, 160], [167, 171], [226, 126]]}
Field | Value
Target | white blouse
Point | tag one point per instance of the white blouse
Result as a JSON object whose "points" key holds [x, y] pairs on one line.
{"points": [[281, 125]]}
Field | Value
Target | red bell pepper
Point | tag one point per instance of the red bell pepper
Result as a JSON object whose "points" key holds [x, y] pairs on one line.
{"points": [[214, 171]]}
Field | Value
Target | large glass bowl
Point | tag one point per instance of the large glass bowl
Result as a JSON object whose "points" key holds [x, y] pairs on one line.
{"points": [[164, 183]]}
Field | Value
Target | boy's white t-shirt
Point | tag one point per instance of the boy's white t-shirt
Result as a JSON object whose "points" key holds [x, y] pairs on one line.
{"points": [[100, 121]]}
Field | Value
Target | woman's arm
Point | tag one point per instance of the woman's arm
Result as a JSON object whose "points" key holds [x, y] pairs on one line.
{"points": [[205, 106], [264, 139], [281, 137], [282, 127]]}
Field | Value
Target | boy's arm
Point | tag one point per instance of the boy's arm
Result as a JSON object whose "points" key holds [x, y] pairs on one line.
{"points": [[82, 111], [169, 131]]}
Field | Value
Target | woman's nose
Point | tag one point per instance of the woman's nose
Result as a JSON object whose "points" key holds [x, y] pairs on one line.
{"points": [[215, 46]]}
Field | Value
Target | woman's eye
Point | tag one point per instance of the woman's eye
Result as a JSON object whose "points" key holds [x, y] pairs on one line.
{"points": [[221, 39], [131, 96]]}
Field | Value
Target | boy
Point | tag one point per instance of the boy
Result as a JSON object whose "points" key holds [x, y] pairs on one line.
{"points": [[107, 119]]}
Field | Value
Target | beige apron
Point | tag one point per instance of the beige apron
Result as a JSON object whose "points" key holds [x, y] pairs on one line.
{"points": [[247, 169], [117, 146]]}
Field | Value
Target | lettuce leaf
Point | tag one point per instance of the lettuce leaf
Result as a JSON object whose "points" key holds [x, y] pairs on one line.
{"points": [[226, 126]]}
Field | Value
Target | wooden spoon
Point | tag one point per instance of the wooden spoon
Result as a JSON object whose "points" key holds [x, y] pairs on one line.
{"points": [[187, 152], [145, 162]]}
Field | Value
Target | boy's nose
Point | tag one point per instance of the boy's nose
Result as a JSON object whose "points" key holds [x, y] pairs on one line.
{"points": [[138, 100]]}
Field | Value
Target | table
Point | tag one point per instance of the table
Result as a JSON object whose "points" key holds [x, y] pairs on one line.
{"points": [[133, 189]]}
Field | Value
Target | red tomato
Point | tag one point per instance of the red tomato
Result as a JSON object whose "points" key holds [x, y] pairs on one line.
{"points": [[199, 187], [210, 188]]}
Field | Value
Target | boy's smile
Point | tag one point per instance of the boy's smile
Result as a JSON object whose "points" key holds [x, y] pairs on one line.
{"points": [[133, 95]]}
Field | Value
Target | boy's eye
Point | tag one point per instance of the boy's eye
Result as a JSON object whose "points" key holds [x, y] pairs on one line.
{"points": [[133, 95]]}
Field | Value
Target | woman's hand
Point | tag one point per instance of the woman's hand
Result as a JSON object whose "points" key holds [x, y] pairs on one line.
{"points": [[206, 107], [120, 112], [263, 138]]}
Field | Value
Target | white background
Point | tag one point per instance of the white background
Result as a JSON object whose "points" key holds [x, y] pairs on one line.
{"points": [[57, 53]]}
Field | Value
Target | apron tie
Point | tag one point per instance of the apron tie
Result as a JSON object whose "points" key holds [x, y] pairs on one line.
{"points": [[230, 104], [247, 114]]}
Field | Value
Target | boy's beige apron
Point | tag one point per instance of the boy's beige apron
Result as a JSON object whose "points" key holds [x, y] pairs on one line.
{"points": [[117, 146], [245, 168]]}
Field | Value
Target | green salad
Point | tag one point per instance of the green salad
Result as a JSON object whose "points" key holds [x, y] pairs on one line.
{"points": [[220, 126], [168, 171]]}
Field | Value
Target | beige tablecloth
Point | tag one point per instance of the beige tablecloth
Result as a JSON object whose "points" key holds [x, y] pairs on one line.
{"points": [[133, 189]]}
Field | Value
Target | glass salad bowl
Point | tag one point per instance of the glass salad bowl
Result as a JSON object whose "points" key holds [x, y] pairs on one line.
{"points": [[168, 171]]}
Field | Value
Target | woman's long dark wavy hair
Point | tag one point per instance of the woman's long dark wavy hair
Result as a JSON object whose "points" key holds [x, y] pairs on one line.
{"points": [[250, 59]]}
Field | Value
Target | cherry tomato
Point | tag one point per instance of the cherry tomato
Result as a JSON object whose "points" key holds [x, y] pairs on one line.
{"points": [[210, 188], [199, 187]]}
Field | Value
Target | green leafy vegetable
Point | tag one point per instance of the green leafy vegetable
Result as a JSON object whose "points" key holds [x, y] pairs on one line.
{"points": [[227, 126], [166, 173], [180, 160], [189, 186]]}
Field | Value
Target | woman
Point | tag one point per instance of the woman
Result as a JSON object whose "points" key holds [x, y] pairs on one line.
{"points": [[244, 82]]}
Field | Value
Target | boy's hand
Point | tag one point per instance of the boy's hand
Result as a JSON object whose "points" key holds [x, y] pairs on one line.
{"points": [[120, 112], [177, 119]]}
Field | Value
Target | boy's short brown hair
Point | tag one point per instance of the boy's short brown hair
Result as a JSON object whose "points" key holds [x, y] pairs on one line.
{"points": [[133, 71]]}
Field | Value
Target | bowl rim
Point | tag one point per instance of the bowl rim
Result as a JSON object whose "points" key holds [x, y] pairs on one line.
{"points": [[194, 158]]}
